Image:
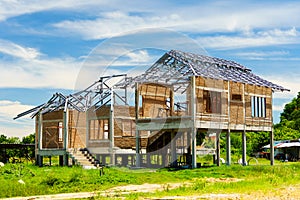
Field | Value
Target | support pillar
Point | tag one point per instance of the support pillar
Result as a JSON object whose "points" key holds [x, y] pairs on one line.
{"points": [[218, 147], [244, 149], [272, 147], [244, 144], [272, 139], [137, 139], [111, 129], [228, 141], [173, 150], [66, 160], [40, 131], [61, 160], [66, 127], [40, 160], [193, 115], [228, 148]]}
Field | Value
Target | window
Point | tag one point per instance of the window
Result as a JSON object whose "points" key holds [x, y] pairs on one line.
{"points": [[212, 101], [236, 97], [99, 129], [258, 106]]}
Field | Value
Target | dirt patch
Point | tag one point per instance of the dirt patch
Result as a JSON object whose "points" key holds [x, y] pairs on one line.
{"points": [[223, 180]]}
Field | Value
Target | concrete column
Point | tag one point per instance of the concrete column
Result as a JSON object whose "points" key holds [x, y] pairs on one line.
{"points": [[40, 131], [244, 152], [66, 127], [272, 138], [193, 115], [244, 148], [61, 160], [218, 147], [111, 129], [173, 149], [272, 147], [228, 148], [66, 160], [137, 140], [40, 160], [228, 141]]}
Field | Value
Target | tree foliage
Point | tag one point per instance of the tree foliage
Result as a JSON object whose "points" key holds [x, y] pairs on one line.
{"points": [[289, 126]]}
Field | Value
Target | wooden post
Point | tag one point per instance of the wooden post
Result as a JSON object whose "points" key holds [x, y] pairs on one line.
{"points": [[193, 115], [137, 140], [228, 142]]}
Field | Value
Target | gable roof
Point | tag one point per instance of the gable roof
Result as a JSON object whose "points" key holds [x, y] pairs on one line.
{"points": [[175, 67]]}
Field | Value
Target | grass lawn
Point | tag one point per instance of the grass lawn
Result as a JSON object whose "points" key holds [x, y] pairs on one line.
{"points": [[223, 179]]}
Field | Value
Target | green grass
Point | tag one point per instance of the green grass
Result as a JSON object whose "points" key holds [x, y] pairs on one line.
{"points": [[52, 180]]}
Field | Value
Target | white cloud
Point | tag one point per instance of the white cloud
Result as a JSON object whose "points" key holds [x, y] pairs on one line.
{"points": [[262, 38], [51, 72], [193, 18], [116, 23], [10, 109], [10, 127], [12, 8], [12, 49], [264, 55]]}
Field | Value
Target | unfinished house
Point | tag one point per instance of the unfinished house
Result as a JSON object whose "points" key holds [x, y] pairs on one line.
{"points": [[180, 95]]}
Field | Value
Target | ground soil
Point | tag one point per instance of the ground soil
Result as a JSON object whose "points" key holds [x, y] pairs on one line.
{"points": [[286, 193]]}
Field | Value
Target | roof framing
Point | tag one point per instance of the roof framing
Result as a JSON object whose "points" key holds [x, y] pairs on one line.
{"points": [[175, 67]]}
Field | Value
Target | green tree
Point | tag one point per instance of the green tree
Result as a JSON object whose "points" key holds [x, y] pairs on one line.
{"points": [[289, 126], [29, 139]]}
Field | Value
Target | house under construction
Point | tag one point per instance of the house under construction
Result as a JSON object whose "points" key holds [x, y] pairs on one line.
{"points": [[180, 95]]}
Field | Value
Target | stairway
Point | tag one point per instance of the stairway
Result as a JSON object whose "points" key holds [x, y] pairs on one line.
{"points": [[83, 158]]}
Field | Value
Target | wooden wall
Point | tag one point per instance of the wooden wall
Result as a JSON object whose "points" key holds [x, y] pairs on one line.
{"points": [[240, 95], [50, 129], [154, 98], [77, 129]]}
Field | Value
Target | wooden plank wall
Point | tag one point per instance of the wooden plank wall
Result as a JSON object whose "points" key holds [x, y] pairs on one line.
{"points": [[50, 129], [236, 106], [154, 98], [77, 129]]}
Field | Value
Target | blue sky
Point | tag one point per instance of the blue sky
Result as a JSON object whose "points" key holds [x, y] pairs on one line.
{"points": [[46, 47]]}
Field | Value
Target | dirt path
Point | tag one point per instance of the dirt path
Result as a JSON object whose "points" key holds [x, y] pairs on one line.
{"points": [[283, 193]]}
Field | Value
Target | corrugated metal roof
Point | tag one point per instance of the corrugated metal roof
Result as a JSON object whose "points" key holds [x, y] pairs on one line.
{"points": [[216, 68]]}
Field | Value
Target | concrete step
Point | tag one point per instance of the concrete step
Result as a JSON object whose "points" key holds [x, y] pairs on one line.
{"points": [[84, 158]]}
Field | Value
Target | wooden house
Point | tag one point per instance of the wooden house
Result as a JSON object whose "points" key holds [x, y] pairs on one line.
{"points": [[179, 96]]}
